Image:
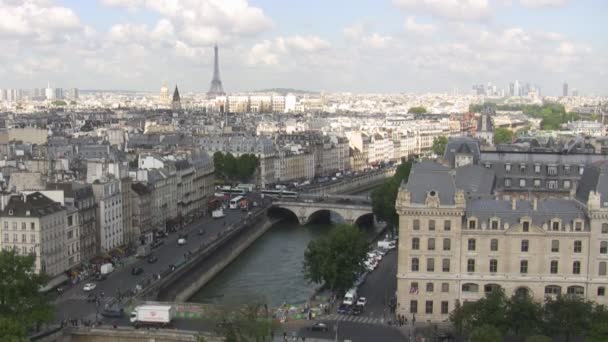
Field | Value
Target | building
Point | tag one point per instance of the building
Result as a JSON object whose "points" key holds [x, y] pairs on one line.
{"points": [[109, 221], [141, 204], [163, 97], [459, 239], [35, 224], [290, 166], [176, 104], [565, 90]]}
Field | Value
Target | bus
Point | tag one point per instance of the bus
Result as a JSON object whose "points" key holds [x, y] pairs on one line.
{"points": [[227, 190], [280, 193], [234, 203]]}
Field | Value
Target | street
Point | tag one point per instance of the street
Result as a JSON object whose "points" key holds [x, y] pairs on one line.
{"points": [[72, 302]]}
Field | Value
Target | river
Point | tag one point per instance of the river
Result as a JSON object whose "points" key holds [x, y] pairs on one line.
{"points": [[270, 270]]}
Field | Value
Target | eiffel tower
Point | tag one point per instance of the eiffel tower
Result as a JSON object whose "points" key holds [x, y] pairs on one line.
{"points": [[216, 83]]}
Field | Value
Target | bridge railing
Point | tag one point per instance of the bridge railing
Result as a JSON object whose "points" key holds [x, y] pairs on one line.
{"points": [[340, 199]]}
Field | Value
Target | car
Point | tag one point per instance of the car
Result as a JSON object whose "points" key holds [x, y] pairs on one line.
{"points": [[357, 310], [112, 313], [362, 301], [344, 309], [181, 241], [88, 287], [152, 259], [319, 326], [160, 235], [137, 271], [380, 251]]}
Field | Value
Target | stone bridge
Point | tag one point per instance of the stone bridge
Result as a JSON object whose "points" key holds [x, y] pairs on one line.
{"points": [[349, 208]]}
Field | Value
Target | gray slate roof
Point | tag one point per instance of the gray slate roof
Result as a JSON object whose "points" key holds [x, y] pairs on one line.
{"points": [[475, 179], [429, 175], [455, 146], [595, 178]]}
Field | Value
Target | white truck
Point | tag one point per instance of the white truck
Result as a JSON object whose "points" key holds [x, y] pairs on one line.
{"points": [[152, 315], [143, 251], [106, 268], [218, 213]]}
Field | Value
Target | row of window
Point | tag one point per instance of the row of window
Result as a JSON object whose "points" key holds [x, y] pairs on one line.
{"points": [[23, 225], [493, 266], [556, 225], [428, 307], [550, 169], [537, 183], [524, 247], [23, 238], [447, 225]]}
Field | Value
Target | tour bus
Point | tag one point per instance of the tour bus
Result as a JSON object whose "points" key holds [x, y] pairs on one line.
{"points": [[234, 203], [280, 193]]}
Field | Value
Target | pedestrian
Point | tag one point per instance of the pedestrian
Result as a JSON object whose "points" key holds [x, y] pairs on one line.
{"points": [[285, 336], [413, 319]]}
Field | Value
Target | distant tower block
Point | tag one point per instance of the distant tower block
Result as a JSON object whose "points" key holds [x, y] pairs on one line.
{"points": [[164, 94], [176, 104], [216, 83]]}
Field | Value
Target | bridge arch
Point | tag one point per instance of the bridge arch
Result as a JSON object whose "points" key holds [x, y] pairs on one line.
{"points": [[366, 219], [282, 213], [330, 215]]}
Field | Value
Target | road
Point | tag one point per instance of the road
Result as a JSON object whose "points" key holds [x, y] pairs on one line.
{"points": [[72, 302]]}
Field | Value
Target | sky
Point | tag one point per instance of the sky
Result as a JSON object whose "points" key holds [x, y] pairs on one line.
{"points": [[388, 46]]}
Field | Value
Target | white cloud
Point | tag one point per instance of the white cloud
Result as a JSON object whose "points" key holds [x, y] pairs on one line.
{"points": [[353, 32], [376, 41], [270, 52], [36, 19], [418, 28], [543, 3], [202, 22], [449, 9]]}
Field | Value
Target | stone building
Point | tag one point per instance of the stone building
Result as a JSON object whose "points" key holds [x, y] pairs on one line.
{"points": [[35, 224], [459, 239]]}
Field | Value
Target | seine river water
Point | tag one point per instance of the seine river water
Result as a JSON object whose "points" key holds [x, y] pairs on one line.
{"points": [[269, 270]]}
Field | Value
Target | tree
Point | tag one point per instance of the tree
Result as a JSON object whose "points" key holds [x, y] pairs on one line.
{"points": [[249, 322], [439, 144], [246, 166], [567, 315], [336, 260], [462, 317], [230, 167], [417, 110], [384, 196], [22, 306], [599, 324], [502, 136], [218, 163], [524, 315], [486, 333], [491, 310]]}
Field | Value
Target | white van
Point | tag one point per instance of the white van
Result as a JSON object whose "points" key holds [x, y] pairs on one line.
{"points": [[350, 297]]}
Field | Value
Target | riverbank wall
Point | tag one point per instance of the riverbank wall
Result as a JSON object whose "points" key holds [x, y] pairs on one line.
{"points": [[184, 282]]}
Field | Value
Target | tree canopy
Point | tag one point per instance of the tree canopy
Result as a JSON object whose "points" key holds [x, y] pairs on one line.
{"points": [[384, 196], [502, 136], [566, 316], [240, 168], [417, 110], [337, 259], [439, 144], [250, 322], [553, 114], [22, 306]]}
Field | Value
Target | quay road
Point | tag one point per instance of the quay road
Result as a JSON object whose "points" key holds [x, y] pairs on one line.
{"points": [[72, 303]]}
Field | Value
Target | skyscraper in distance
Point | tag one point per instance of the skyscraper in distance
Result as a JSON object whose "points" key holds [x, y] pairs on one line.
{"points": [[216, 83], [565, 89]]}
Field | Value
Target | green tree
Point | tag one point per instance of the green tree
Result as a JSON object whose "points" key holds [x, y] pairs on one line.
{"points": [[486, 333], [22, 306], [567, 315], [523, 315], [230, 166], [599, 324], [384, 196], [502, 136], [462, 317], [439, 144], [417, 110], [246, 166], [250, 322], [491, 310], [218, 163], [336, 260], [538, 338]]}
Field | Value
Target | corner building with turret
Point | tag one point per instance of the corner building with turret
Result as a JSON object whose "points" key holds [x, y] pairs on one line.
{"points": [[460, 238]]}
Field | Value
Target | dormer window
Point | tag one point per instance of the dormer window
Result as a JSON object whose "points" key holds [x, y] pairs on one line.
{"points": [[494, 224], [578, 225], [555, 225], [472, 224], [526, 226]]}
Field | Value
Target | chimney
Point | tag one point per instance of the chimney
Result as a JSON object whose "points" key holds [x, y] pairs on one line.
{"points": [[513, 203], [535, 204]]}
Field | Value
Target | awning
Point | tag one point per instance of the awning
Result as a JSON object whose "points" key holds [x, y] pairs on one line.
{"points": [[55, 282]]}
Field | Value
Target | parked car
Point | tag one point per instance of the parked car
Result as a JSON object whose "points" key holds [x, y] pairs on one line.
{"points": [[89, 287], [181, 241], [362, 301], [152, 259], [112, 313], [137, 271], [344, 309], [319, 326]]}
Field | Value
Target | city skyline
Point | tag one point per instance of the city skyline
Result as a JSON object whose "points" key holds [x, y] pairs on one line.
{"points": [[363, 47]]}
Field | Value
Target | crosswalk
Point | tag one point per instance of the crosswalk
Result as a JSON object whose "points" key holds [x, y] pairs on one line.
{"points": [[355, 319]]}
